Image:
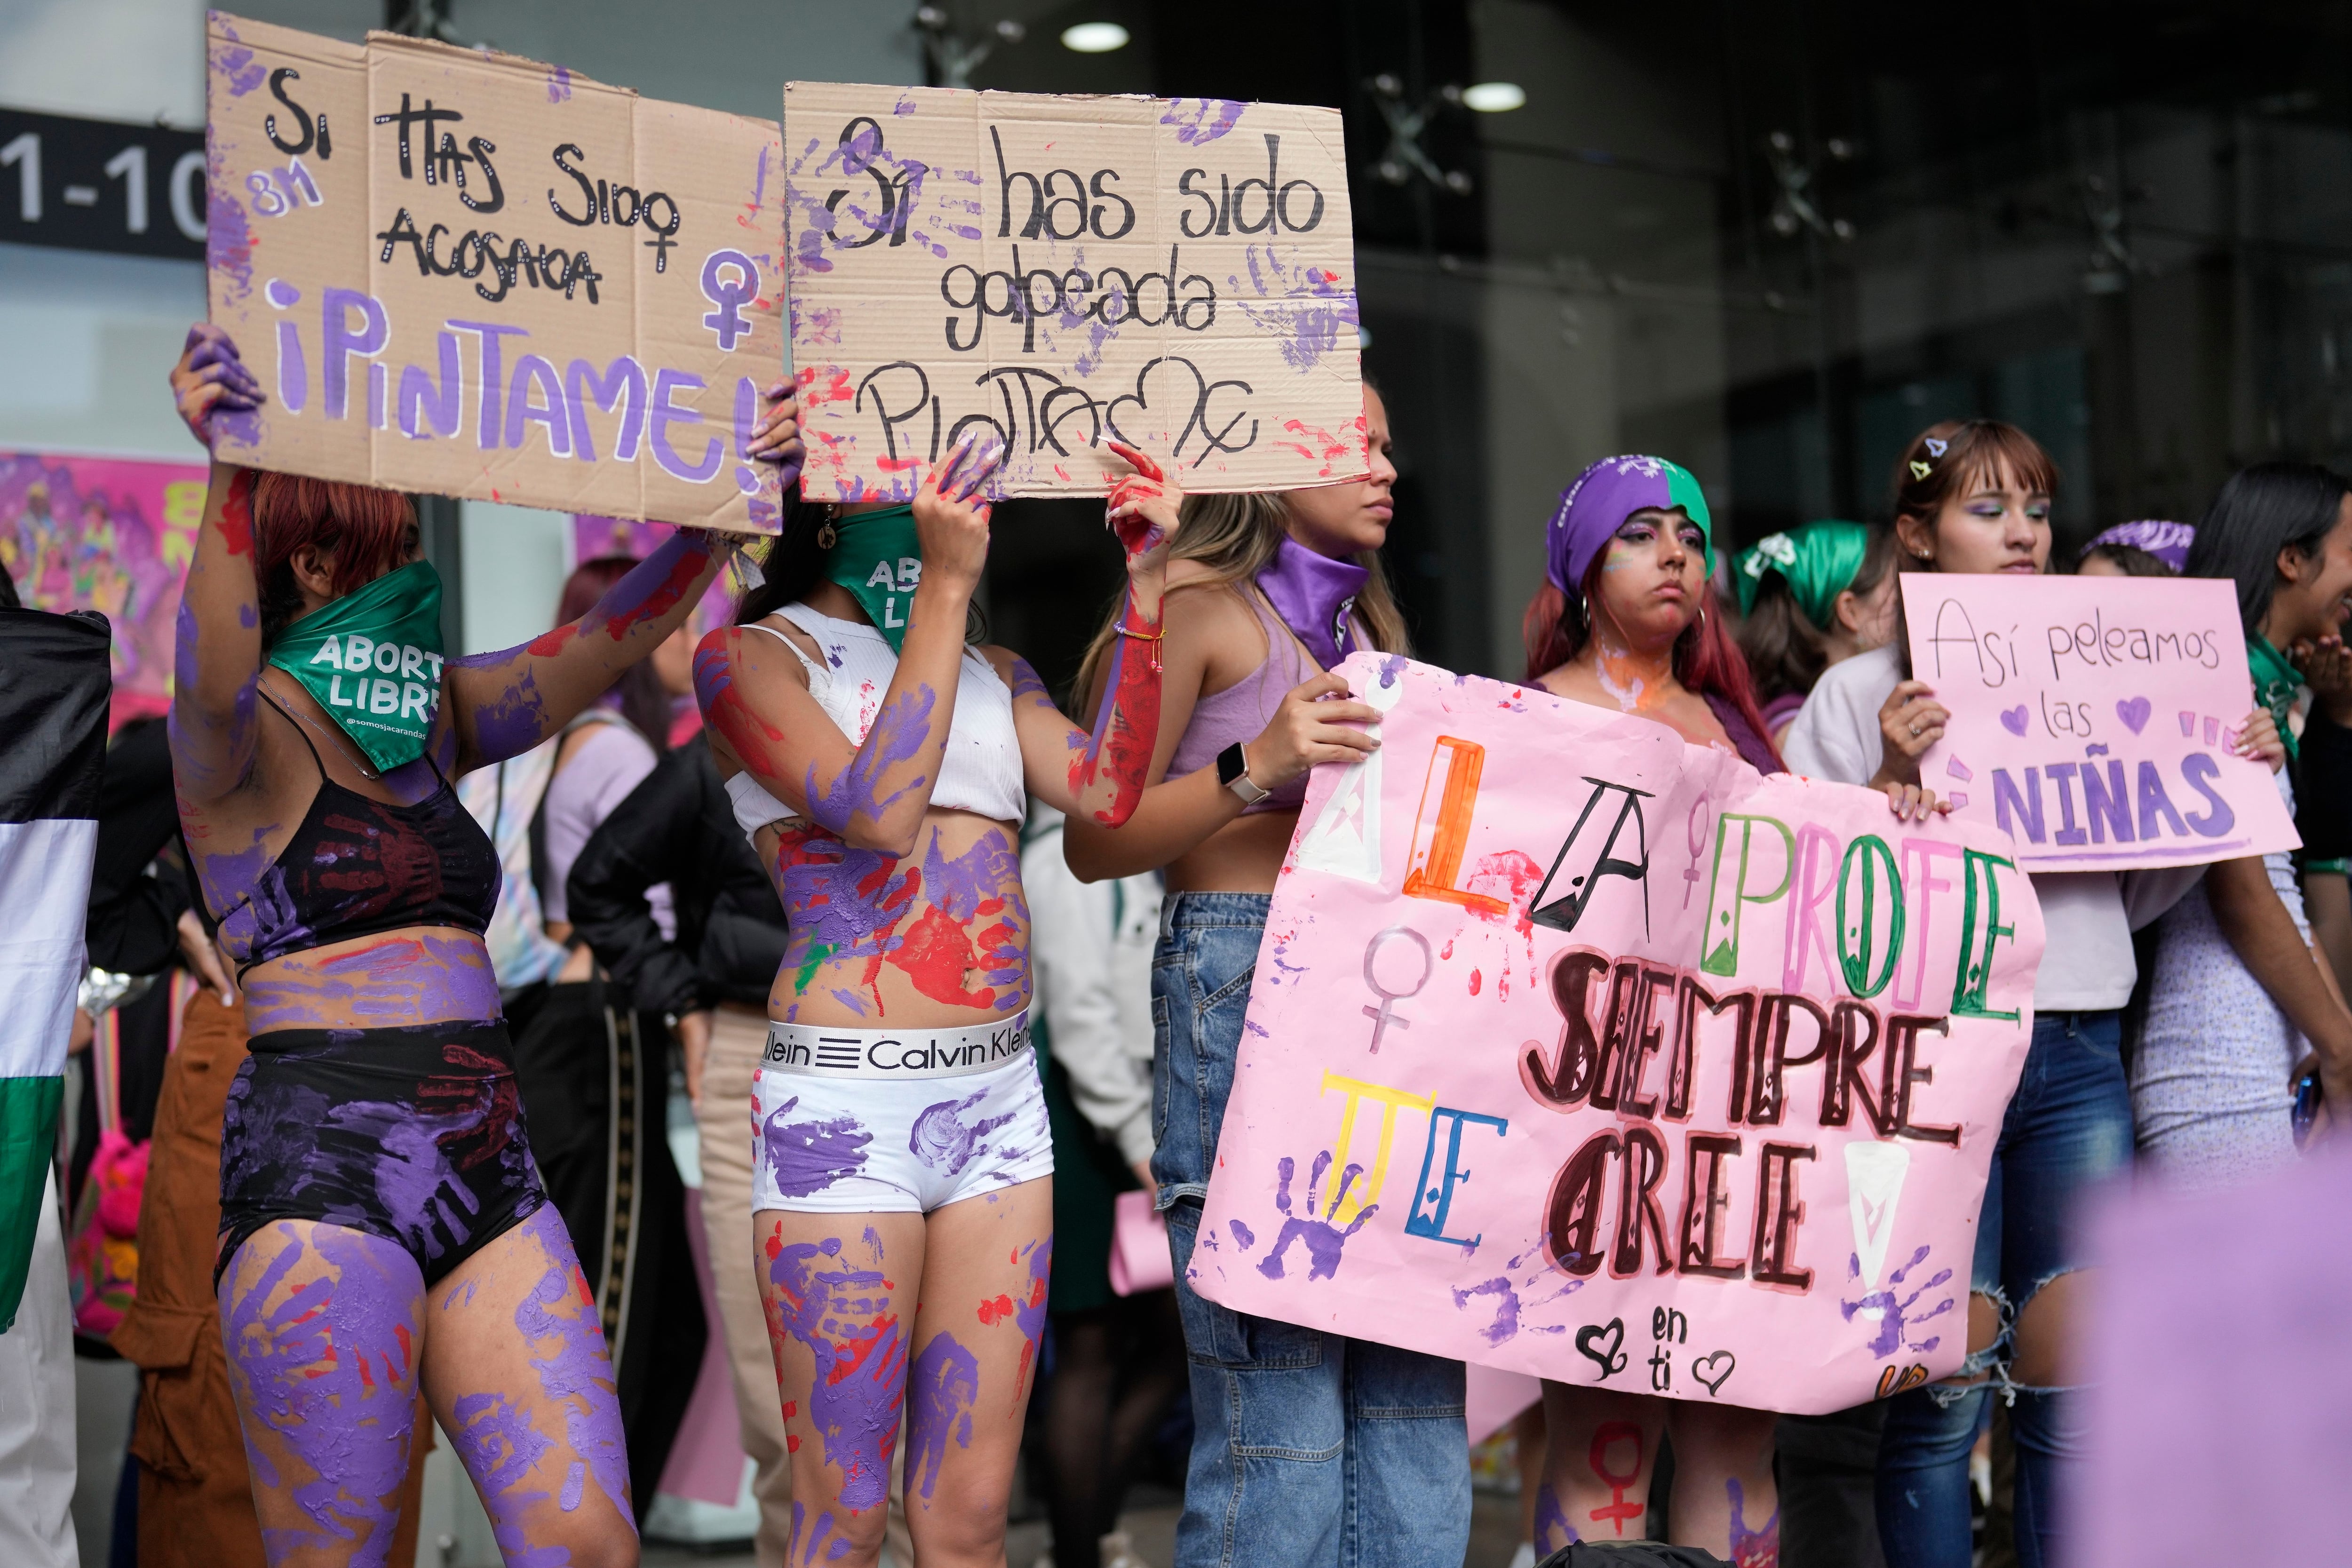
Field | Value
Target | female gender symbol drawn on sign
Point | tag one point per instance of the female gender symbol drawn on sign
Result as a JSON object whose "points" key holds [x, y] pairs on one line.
{"points": [[729, 294], [1695, 835], [1384, 1015]]}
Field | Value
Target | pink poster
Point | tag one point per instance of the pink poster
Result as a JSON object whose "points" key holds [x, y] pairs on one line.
{"points": [[1578, 1051], [2092, 718], [112, 534]]}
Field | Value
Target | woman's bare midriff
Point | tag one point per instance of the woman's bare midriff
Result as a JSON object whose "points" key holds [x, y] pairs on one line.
{"points": [[1243, 857], [935, 940], [417, 975]]}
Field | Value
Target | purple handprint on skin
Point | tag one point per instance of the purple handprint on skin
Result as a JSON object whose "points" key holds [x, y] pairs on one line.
{"points": [[1323, 1238], [1893, 1315]]}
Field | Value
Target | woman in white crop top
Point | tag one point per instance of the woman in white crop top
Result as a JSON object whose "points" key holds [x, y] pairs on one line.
{"points": [[902, 1193]]}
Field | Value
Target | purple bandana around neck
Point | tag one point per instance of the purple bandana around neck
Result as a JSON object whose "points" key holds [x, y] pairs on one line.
{"points": [[2168, 541], [1314, 594]]}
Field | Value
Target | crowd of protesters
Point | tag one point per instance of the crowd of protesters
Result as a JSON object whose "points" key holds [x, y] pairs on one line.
{"points": [[571, 892]]}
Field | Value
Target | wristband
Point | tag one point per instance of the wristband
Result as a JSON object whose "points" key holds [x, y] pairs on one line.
{"points": [[1233, 772]]}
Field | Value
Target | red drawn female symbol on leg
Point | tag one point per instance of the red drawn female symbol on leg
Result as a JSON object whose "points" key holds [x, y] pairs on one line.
{"points": [[1607, 1436]]}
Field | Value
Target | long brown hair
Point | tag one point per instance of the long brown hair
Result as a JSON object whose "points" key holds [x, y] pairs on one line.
{"points": [[1786, 652], [1945, 459], [1706, 660], [1236, 538]]}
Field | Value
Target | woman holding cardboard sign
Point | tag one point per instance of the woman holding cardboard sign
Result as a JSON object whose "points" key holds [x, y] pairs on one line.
{"points": [[383, 1233], [1268, 592], [902, 1193], [1627, 620], [1974, 496], [2238, 998]]}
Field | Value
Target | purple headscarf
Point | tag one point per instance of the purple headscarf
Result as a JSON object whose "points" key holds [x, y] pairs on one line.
{"points": [[2168, 541], [1596, 506]]}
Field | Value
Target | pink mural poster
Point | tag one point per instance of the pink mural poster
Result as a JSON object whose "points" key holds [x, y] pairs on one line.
{"points": [[1578, 1051], [111, 534]]}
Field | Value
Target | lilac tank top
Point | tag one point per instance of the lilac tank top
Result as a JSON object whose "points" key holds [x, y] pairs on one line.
{"points": [[1241, 710]]}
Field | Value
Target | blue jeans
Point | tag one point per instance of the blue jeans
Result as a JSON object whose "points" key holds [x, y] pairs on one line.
{"points": [[1309, 1448], [2067, 1129]]}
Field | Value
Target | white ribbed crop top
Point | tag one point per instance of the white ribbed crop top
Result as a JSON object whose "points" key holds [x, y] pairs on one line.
{"points": [[981, 771]]}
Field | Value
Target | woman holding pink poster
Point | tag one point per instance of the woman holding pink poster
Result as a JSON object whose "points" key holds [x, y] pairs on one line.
{"points": [[1627, 621], [1309, 1448], [1973, 496]]}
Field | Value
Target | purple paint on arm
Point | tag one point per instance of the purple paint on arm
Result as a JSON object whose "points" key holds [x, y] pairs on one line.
{"points": [[330, 1370], [898, 735], [806, 1157], [940, 1394], [514, 721]]}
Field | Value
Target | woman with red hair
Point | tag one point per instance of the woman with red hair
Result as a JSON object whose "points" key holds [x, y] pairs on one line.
{"points": [[384, 1232], [1627, 620]]}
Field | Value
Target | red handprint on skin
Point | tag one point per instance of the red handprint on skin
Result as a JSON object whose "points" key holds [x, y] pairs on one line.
{"points": [[1141, 508]]}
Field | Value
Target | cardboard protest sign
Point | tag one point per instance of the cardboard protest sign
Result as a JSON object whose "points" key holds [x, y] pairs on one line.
{"points": [[2092, 718], [1178, 274], [464, 273], [1580, 1051]]}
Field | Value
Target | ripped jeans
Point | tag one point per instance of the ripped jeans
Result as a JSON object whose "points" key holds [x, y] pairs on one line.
{"points": [[1309, 1449], [2067, 1129]]}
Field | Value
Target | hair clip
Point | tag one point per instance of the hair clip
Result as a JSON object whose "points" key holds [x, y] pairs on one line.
{"points": [[1920, 470], [1934, 447]]}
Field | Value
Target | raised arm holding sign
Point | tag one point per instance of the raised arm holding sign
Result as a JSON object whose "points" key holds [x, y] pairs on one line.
{"points": [[1178, 274], [464, 273]]}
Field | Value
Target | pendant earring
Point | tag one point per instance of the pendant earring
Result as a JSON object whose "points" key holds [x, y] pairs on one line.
{"points": [[826, 537]]}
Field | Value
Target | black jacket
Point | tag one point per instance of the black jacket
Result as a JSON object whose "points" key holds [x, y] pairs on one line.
{"points": [[133, 923], [2322, 790], [678, 827]]}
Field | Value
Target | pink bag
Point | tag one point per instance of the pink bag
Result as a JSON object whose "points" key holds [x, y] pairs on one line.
{"points": [[1139, 1258]]}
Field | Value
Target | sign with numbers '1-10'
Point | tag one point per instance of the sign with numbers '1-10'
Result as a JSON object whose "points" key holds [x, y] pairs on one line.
{"points": [[468, 274], [1576, 1050]]}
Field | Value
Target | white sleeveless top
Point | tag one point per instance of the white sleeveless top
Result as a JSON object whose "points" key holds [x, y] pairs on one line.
{"points": [[981, 771]]}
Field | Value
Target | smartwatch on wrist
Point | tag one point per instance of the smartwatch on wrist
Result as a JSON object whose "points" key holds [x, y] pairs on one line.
{"points": [[1233, 772]]}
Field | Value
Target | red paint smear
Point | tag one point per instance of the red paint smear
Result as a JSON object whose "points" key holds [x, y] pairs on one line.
{"points": [[1511, 877], [548, 644], [993, 1312], [936, 954], [1477, 978], [1028, 1348], [791, 1442], [662, 599], [1129, 737], [837, 390], [587, 1299], [236, 514]]}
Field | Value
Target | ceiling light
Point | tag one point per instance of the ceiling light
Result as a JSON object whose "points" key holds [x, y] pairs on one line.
{"points": [[1492, 96], [1094, 38]]}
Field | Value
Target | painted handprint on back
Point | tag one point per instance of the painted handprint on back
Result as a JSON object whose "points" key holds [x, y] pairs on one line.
{"points": [[1323, 1239], [1892, 1310]]}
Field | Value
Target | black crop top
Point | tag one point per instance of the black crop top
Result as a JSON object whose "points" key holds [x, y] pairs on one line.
{"points": [[356, 867]]}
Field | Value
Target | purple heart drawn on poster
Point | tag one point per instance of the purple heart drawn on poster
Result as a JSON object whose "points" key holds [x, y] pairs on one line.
{"points": [[2013, 719], [2134, 713]]}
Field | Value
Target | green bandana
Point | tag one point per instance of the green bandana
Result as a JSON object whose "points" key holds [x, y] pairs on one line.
{"points": [[876, 557], [1818, 561], [2276, 684], [372, 660]]}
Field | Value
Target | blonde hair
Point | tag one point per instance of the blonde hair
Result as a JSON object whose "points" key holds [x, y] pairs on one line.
{"points": [[1234, 537]]}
